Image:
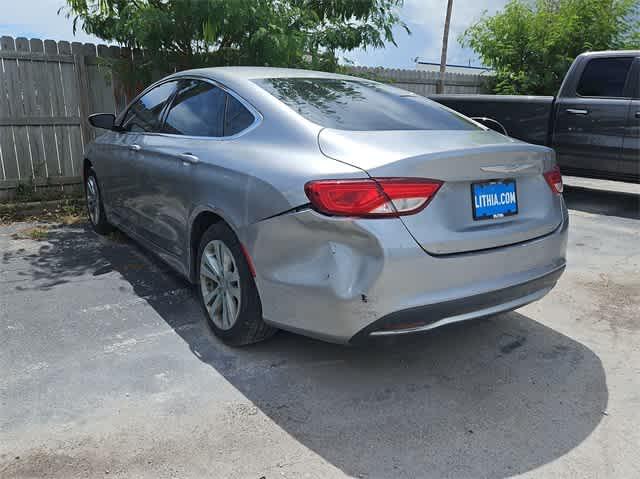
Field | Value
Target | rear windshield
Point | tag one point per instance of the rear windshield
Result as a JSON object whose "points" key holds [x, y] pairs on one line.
{"points": [[361, 105]]}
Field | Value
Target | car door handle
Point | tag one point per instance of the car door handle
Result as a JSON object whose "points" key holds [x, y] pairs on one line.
{"points": [[189, 158], [638, 114], [135, 147], [575, 111]]}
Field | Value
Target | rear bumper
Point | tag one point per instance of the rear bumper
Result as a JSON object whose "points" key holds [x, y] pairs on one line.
{"points": [[340, 279], [423, 318]]}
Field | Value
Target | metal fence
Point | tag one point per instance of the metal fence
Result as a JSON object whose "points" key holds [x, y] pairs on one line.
{"points": [[48, 89]]}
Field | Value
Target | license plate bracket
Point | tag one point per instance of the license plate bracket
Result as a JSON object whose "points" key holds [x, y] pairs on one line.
{"points": [[494, 199]]}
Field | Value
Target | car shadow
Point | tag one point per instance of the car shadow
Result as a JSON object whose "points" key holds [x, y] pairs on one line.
{"points": [[490, 398], [487, 398], [602, 202]]}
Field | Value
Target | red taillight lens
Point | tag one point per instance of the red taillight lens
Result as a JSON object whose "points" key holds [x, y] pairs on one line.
{"points": [[378, 197], [554, 179]]}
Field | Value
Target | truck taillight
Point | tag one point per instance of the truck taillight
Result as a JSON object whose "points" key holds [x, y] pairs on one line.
{"points": [[371, 198], [554, 179]]}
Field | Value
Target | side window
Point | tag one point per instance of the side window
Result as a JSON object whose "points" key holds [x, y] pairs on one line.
{"points": [[604, 77], [197, 110], [144, 114], [237, 117]]}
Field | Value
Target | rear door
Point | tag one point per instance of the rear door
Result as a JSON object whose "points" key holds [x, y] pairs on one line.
{"points": [[200, 117], [590, 121]]}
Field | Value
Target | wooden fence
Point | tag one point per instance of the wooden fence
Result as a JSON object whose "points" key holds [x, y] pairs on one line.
{"points": [[424, 82], [48, 89]]}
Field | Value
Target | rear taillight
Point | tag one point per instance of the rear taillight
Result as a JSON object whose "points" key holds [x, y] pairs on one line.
{"points": [[371, 198], [554, 179]]}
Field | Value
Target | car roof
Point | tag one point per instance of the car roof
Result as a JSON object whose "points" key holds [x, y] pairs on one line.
{"points": [[239, 79], [253, 73], [612, 53]]}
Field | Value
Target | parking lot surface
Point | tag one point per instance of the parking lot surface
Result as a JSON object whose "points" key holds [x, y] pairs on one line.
{"points": [[108, 370]]}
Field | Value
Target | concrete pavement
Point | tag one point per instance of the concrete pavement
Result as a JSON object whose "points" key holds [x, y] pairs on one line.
{"points": [[108, 370]]}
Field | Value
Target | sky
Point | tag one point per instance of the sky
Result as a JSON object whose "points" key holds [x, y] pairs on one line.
{"points": [[425, 19]]}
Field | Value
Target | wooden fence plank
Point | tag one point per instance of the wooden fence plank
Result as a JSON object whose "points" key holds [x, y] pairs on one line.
{"points": [[86, 52], [31, 108], [76, 101], [54, 79], [72, 136], [8, 161], [16, 109], [44, 92], [115, 54], [102, 98]]}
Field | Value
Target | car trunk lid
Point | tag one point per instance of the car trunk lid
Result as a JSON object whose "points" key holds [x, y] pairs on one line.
{"points": [[459, 159]]}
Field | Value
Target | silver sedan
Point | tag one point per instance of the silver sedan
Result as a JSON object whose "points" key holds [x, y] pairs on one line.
{"points": [[328, 205]]}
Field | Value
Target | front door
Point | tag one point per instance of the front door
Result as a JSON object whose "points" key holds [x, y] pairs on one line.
{"points": [[142, 120], [590, 125], [114, 154]]}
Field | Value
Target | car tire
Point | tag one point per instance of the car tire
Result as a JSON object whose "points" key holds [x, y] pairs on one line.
{"points": [[229, 297], [95, 205]]}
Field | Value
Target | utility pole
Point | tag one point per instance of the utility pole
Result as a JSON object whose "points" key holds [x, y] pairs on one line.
{"points": [[445, 42]]}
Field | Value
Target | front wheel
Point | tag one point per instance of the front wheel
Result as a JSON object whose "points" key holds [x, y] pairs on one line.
{"points": [[95, 207], [227, 291]]}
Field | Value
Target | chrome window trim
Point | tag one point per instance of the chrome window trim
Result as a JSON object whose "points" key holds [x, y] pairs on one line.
{"points": [[257, 116]]}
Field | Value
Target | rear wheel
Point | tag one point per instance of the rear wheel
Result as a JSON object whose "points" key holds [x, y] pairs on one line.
{"points": [[95, 207], [228, 294]]}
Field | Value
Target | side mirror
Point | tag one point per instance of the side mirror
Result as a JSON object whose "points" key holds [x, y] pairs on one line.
{"points": [[106, 121], [492, 124]]}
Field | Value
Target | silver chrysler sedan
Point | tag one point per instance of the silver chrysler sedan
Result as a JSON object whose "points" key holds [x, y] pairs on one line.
{"points": [[327, 205]]}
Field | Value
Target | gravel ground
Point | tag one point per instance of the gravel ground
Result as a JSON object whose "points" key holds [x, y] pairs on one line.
{"points": [[109, 371]]}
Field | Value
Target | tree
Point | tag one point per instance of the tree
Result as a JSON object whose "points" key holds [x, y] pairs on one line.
{"points": [[531, 45], [180, 34]]}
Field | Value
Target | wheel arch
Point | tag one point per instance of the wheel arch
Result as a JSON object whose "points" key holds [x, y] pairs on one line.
{"points": [[86, 166], [201, 219]]}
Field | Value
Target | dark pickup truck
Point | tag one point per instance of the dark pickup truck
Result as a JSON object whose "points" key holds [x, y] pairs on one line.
{"points": [[593, 123]]}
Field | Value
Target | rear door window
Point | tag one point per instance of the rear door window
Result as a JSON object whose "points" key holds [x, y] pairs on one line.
{"points": [[197, 110], [144, 114], [362, 105], [237, 117], [605, 77]]}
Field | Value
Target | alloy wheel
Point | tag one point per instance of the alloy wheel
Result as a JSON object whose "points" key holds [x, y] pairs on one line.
{"points": [[220, 284], [93, 200]]}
